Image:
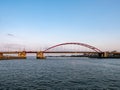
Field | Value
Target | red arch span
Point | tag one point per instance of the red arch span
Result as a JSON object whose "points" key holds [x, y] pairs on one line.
{"points": [[75, 43]]}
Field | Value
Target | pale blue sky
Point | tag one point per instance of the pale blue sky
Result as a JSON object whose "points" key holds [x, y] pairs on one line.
{"points": [[36, 24]]}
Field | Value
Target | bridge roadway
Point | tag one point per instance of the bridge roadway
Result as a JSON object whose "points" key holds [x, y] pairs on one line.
{"points": [[40, 54], [84, 52], [55, 52]]}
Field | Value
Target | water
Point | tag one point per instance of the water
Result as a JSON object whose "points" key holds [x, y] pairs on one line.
{"points": [[60, 74]]}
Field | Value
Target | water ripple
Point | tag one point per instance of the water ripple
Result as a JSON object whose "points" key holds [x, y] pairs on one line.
{"points": [[65, 74]]}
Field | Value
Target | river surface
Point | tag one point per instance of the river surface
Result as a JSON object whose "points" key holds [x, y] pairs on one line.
{"points": [[60, 74]]}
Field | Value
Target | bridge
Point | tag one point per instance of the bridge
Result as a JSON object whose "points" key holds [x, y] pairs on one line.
{"points": [[95, 52]]}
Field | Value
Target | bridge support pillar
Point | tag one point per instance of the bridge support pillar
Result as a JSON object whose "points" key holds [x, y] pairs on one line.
{"points": [[1, 55], [104, 55], [100, 55], [40, 55], [22, 55]]}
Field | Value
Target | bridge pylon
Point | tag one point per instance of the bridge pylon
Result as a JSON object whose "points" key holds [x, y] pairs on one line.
{"points": [[40, 55]]}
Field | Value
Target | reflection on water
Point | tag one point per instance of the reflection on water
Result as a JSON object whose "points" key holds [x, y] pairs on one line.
{"points": [[60, 74]]}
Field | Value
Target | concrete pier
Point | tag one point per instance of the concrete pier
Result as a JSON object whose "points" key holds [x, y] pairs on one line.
{"points": [[22, 55], [1, 56], [108, 55], [40, 55]]}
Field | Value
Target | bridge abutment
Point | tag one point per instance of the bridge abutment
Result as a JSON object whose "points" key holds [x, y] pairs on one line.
{"points": [[40, 55]]}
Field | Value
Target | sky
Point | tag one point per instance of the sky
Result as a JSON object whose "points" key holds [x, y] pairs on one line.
{"points": [[38, 24]]}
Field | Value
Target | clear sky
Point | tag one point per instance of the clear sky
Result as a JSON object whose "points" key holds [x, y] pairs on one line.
{"points": [[36, 24]]}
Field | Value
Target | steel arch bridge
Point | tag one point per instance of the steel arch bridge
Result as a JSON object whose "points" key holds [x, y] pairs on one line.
{"points": [[74, 43], [97, 53]]}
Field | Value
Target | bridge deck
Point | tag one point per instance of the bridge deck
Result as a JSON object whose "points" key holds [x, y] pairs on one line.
{"points": [[16, 52]]}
